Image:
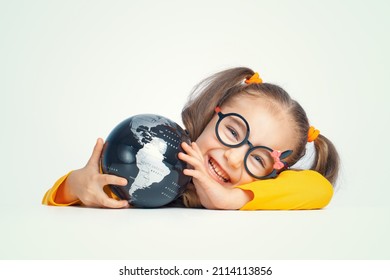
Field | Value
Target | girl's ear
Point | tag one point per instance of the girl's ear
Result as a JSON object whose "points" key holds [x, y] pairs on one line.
{"points": [[285, 154]]}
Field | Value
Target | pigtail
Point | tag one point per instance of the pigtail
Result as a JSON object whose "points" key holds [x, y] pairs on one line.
{"points": [[327, 160]]}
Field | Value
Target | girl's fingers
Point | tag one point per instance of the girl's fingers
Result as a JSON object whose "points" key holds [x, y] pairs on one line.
{"points": [[101, 197], [96, 153], [107, 179], [192, 150], [108, 202], [187, 148], [103, 201], [190, 172], [193, 161], [195, 147], [196, 174], [96, 196]]}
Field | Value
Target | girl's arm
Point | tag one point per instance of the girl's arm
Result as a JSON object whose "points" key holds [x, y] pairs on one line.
{"points": [[86, 185], [290, 190]]}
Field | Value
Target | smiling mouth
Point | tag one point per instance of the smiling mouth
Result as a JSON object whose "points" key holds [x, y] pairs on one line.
{"points": [[218, 171]]}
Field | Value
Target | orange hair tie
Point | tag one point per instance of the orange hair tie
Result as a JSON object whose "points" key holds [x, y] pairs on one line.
{"points": [[255, 79], [312, 134]]}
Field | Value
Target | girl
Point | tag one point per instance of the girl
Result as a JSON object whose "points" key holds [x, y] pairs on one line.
{"points": [[248, 136]]}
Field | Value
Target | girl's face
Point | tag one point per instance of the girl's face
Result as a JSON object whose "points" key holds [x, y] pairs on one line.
{"points": [[269, 127]]}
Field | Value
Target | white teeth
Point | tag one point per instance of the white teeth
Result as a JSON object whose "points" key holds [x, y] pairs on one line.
{"points": [[220, 173]]}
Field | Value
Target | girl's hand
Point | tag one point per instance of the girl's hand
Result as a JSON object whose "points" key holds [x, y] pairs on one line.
{"points": [[86, 184], [212, 195]]}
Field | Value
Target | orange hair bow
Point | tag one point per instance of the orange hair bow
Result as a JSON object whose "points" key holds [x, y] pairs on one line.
{"points": [[312, 134], [255, 79]]}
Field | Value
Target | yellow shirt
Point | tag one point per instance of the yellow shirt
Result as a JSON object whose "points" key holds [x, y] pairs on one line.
{"points": [[291, 190]]}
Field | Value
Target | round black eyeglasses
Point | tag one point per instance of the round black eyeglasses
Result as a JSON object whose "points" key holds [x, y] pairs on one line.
{"points": [[261, 162]]}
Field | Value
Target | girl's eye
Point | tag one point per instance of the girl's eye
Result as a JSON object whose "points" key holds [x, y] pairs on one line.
{"points": [[233, 133], [232, 130], [259, 160]]}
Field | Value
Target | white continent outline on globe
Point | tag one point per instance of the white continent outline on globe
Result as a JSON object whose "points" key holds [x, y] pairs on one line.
{"points": [[150, 164], [148, 122]]}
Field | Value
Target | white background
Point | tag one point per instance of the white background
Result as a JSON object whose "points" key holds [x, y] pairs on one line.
{"points": [[71, 70]]}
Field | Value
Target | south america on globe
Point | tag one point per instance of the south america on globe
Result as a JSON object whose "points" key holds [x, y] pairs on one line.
{"points": [[143, 149]]}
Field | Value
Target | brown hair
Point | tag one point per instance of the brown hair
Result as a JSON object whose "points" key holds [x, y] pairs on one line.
{"points": [[223, 87]]}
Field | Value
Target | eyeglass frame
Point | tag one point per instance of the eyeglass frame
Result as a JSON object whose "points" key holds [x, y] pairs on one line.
{"points": [[283, 155]]}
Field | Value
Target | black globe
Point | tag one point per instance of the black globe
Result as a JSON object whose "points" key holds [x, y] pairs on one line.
{"points": [[143, 149]]}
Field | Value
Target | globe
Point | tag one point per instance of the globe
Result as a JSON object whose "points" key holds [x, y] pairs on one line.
{"points": [[143, 149]]}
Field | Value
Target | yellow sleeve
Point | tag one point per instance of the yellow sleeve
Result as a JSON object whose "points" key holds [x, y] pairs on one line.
{"points": [[291, 190], [50, 195]]}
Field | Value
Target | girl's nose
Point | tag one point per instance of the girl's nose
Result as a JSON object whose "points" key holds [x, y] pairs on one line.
{"points": [[235, 156]]}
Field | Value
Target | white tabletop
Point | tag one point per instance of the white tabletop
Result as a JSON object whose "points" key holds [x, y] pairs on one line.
{"points": [[44, 232]]}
